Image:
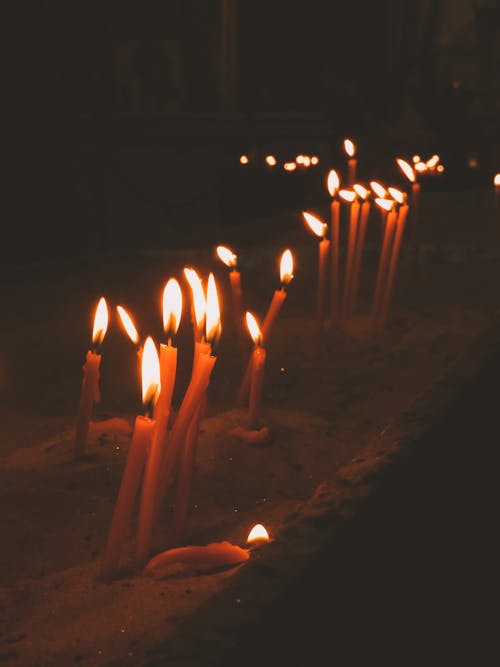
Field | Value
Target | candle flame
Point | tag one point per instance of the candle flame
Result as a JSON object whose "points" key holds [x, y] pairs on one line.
{"points": [[397, 195], [347, 195], [349, 148], [227, 256], [213, 323], [258, 534], [101, 319], [332, 182], [361, 191], [244, 159], [407, 169], [253, 328], [378, 189], [386, 204], [289, 166], [315, 224], [150, 372], [172, 307], [286, 267], [128, 324], [314, 160], [270, 160], [496, 180], [199, 302]]}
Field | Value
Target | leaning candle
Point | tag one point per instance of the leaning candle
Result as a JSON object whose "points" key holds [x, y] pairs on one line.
{"points": [[410, 174], [333, 184], [258, 363], [228, 257], [90, 384], [279, 296], [349, 196], [363, 193], [388, 205], [131, 478], [350, 151], [319, 228]]}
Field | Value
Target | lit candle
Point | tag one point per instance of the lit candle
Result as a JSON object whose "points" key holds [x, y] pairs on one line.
{"points": [[388, 205], [228, 257], [172, 310], [319, 228], [333, 184], [131, 478], [363, 193], [349, 196], [410, 174], [90, 383], [350, 151], [258, 363], [279, 296]]}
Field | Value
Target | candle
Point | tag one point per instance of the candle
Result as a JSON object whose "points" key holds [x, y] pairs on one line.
{"points": [[131, 478], [279, 296], [410, 174], [258, 363], [333, 184], [228, 257], [350, 151], [319, 228], [172, 310], [388, 205], [359, 245], [90, 384], [194, 559], [349, 196]]}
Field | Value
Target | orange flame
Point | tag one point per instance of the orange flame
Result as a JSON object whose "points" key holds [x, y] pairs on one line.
{"points": [[315, 224], [258, 534], [270, 160], [386, 204], [244, 159], [332, 182], [253, 328], [101, 319], [347, 195], [286, 267], [171, 307], [128, 324], [496, 180], [213, 323], [349, 148], [361, 191], [199, 302], [407, 169], [227, 256], [378, 189], [150, 372], [397, 195]]}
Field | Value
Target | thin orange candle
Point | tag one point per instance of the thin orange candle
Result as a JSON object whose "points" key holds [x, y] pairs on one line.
{"points": [[319, 228], [258, 364], [279, 296], [349, 196], [131, 478], [388, 205], [350, 151], [90, 393], [333, 184], [363, 193]]}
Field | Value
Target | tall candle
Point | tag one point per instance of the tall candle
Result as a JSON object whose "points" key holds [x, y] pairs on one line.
{"points": [[350, 151], [319, 228], [349, 196], [358, 250], [384, 255], [333, 183], [131, 478], [90, 384]]}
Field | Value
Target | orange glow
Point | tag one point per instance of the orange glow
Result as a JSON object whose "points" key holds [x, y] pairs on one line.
{"points": [[397, 195], [150, 372], [361, 191], [172, 307], [213, 323], [349, 148], [378, 189], [286, 267], [407, 169], [289, 166], [199, 303], [347, 195], [496, 180], [332, 182], [253, 328], [128, 324], [227, 256], [386, 204], [244, 159], [314, 160], [270, 160], [101, 319], [315, 224], [258, 534]]}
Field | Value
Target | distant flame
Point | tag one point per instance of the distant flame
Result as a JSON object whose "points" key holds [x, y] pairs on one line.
{"points": [[349, 148], [397, 195], [128, 324], [101, 319], [378, 189], [199, 302], [227, 256], [258, 534], [286, 267], [315, 224], [150, 372], [347, 195], [289, 166], [361, 191], [171, 307], [271, 160], [253, 328], [496, 180], [244, 159], [213, 323], [407, 169], [332, 182], [386, 204]]}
